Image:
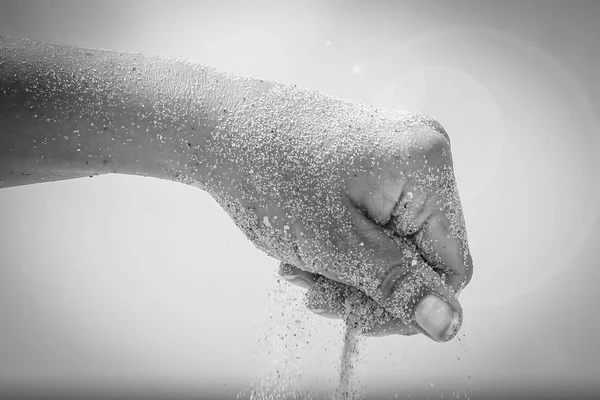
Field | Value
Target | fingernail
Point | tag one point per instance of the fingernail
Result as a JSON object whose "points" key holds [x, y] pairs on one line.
{"points": [[298, 280], [437, 317]]}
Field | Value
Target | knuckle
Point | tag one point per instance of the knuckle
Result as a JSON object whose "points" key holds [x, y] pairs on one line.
{"points": [[403, 270], [393, 278], [437, 148], [468, 270], [436, 126], [411, 212]]}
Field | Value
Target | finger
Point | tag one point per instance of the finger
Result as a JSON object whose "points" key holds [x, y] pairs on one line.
{"points": [[327, 297], [445, 250], [326, 300], [439, 231], [411, 211], [337, 300], [409, 289], [424, 301], [296, 276]]}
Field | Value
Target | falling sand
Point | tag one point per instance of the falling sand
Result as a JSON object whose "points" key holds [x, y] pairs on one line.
{"points": [[286, 341], [350, 353]]}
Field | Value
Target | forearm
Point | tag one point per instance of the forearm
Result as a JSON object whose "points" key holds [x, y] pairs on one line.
{"points": [[68, 112]]}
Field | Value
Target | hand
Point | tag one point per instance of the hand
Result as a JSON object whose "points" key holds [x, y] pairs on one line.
{"points": [[406, 216], [362, 197]]}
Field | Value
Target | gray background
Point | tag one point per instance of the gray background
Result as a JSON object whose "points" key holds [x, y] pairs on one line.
{"points": [[121, 284]]}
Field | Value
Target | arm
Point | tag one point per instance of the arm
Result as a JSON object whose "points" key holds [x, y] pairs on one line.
{"points": [[311, 180], [68, 112]]}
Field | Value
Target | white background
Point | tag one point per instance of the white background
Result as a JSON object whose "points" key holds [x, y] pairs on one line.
{"points": [[131, 282]]}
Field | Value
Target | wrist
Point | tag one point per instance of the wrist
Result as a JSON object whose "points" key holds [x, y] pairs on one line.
{"points": [[216, 151]]}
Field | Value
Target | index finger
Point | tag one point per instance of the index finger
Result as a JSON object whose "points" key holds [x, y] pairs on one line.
{"points": [[429, 212], [434, 220], [443, 244]]}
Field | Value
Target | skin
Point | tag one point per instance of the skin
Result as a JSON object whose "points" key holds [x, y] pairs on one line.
{"points": [[356, 203]]}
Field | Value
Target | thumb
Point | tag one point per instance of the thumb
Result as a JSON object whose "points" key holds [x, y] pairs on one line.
{"points": [[419, 296], [404, 284], [422, 298]]}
